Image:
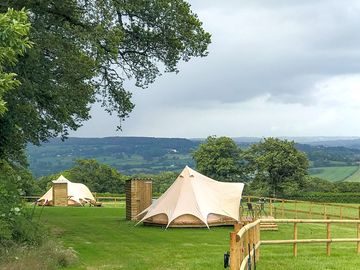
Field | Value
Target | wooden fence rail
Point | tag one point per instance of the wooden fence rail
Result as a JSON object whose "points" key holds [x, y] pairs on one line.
{"points": [[110, 199], [245, 241], [279, 207]]}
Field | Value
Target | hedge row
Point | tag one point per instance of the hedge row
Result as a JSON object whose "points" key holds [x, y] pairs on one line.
{"points": [[328, 197]]}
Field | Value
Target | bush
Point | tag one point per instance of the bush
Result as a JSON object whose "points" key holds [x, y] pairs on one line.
{"points": [[328, 197], [16, 225]]}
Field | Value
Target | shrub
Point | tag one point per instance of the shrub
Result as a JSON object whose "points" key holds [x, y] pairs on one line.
{"points": [[328, 197], [16, 225]]}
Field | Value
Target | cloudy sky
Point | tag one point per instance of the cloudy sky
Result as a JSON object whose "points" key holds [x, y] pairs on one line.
{"points": [[275, 68]]}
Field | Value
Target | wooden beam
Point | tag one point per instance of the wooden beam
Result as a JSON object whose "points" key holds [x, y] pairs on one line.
{"points": [[233, 252], [310, 241], [295, 238], [358, 236], [343, 221], [328, 236]]}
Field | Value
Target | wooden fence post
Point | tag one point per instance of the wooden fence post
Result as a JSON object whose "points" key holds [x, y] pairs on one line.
{"points": [[358, 236], [233, 252], [245, 245], [251, 241], [237, 227], [359, 212], [248, 199], [296, 212], [271, 209], [295, 238], [257, 241], [282, 209], [328, 237], [310, 211], [325, 214]]}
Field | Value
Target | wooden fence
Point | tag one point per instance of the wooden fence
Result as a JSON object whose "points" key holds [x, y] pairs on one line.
{"points": [[245, 241], [104, 199], [280, 208]]}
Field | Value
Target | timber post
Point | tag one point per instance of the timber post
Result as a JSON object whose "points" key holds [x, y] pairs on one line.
{"points": [[295, 238], [328, 237], [325, 214], [358, 236], [258, 241]]}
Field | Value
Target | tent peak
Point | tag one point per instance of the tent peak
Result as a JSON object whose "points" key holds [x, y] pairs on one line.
{"points": [[61, 179], [187, 172]]}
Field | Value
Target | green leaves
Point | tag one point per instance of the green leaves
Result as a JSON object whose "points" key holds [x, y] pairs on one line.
{"points": [[98, 177], [278, 164], [85, 51], [14, 28], [219, 158]]}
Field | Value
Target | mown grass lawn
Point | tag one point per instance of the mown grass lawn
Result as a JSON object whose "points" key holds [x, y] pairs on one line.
{"points": [[103, 239]]}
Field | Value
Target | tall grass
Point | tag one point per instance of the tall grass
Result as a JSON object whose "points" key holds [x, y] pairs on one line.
{"points": [[50, 255]]}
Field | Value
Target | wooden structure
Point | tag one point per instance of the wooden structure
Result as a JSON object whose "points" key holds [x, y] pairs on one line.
{"points": [[281, 208], [60, 194], [245, 240], [138, 194]]}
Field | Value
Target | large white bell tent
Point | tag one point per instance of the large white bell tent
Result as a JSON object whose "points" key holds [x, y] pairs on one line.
{"points": [[195, 200]]}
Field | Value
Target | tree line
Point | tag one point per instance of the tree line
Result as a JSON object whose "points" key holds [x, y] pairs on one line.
{"points": [[272, 167]]}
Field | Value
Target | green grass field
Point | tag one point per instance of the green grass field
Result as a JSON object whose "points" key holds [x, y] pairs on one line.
{"points": [[338, 173], [103, 239], [355, 177]]}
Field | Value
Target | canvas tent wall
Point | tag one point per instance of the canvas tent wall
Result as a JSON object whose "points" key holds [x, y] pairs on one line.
{"points": [[195, 200], [77, 193]]}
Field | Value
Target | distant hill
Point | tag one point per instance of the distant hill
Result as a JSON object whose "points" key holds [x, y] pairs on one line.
{"points": [[132, 155], [127, 154], [349, 143]]}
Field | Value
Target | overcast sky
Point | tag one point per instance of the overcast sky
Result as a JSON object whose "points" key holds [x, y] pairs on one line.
{"points": [[275, 68]]}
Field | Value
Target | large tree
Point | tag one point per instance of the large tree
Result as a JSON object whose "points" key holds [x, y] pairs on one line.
{"points": [[219, 158], [276, 165], [98, 177], [83, 52], [14, 30]]}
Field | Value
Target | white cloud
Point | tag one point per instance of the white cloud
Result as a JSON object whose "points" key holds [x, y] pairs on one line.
{"points": [[275, 68]]}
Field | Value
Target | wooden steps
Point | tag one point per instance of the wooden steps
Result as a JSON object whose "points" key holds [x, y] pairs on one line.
{"points": [[263, 226], [268, 226]]}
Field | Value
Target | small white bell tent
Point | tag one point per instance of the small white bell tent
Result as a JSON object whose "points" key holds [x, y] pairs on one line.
{"points": [[195, 200], [69, 193]]}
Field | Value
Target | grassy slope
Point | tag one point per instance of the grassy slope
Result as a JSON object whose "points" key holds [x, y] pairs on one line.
{"points": [[104, 240], [335, 173]]}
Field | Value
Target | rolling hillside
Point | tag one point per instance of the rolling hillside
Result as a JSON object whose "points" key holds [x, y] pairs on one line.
{"points": [[127, 154], [132, 155]]}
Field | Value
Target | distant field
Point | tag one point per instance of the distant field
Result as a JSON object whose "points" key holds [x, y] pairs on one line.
{"points": [[338, 173], [355, 177]]}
